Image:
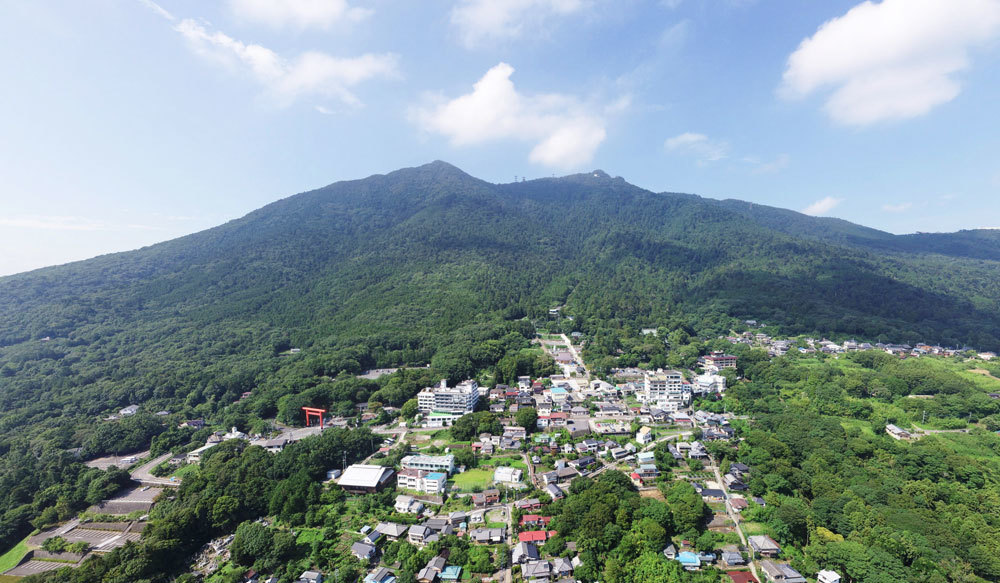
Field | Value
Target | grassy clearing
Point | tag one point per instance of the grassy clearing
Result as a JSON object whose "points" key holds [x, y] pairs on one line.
{"points": [[470, 479], [753, 528], [863, 426], [11, 558], [184, 470], [9, 579], [308, 535]]}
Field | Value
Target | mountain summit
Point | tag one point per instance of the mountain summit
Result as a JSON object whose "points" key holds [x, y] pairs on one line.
{"points": [[401, 268], [429, 247]]}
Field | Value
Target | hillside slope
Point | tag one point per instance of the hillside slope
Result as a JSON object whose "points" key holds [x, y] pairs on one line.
{"points": [[390, 266]]}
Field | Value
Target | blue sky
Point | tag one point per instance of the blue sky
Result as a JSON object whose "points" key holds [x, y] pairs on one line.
{"points": [[128, 122]]}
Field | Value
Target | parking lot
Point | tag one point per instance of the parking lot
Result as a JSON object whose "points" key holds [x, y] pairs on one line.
{"points": [[34, 567]]}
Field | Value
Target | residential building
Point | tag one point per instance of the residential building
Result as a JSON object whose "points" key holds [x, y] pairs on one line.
{"points": [[535, 536], [430, 463], [311, 577], [710, 383], [391, 530], [418, 534], [764, 545], [536, 570], [780, 572], [827, 576], [688, 560], [719, 360], [408, 505], [897, 433], [486, 497], [363, 551], [665, 390], [380, 575], [524, 552], [194, 456], [488, 536]]}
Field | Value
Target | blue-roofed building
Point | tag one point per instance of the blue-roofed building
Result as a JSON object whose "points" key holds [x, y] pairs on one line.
{"points": [[688, 560], [450, 573]]}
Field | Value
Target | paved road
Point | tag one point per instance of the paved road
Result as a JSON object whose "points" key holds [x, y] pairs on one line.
{"points": [[141, 474], [732, 515], [650, 446]]}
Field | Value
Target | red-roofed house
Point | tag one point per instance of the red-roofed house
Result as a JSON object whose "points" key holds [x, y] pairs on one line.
{"points": [[742, 577], [535, 536]]}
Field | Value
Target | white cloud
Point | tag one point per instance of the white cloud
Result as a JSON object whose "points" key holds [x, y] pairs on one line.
{"points": [[897, 208], [565, 132], [484, 21], [157, 9], [699, 145], [297, 13], [311, 73], [890, 61], [822, 206], [778, 164]]}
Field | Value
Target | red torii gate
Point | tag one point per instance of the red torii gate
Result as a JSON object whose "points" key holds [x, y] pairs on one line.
{"points": [[310, 411]]}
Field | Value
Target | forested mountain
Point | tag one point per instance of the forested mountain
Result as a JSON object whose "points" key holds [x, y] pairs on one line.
{"points": [[384, 269], [430, 265], [971, 243]]}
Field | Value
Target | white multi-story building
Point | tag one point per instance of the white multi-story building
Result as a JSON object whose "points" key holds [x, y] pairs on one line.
{"points": [[507, 475], [421, 481], [710, 383], [430, 463], [665, 389], [460, 399]]}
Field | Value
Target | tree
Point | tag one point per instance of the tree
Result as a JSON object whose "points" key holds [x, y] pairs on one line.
{"points": [[409, 409], [252, 540], [527, 418]]}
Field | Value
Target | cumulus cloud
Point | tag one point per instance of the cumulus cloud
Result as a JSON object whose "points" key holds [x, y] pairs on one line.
{"points": [[890, 61], [312, 73], [484, 21], [701, 146], [565, 132], [297, 13], [822, 206], [897, 208]]}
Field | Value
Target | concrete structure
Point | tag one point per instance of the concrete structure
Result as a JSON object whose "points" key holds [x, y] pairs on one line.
{"points": [[430, 463], [363, 479], [665, 390], [421, 480], [826, 576], [460, 399], [710, 383], [507, 475]]}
